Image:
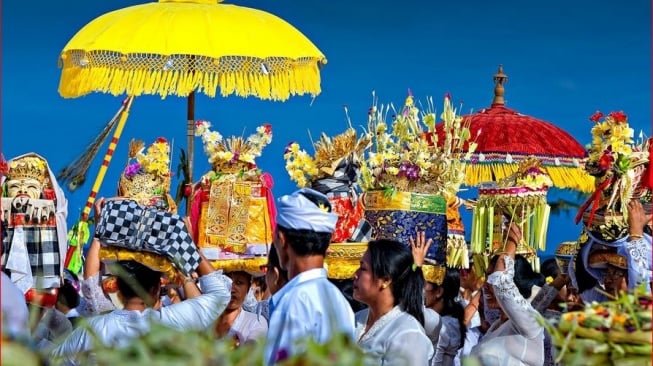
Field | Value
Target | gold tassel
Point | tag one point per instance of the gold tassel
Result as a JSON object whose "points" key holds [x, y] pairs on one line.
{"points": [[291, 79]]}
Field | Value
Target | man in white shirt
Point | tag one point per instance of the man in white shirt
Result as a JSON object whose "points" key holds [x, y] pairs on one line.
{"points": [[119, 327], [308, 306]]}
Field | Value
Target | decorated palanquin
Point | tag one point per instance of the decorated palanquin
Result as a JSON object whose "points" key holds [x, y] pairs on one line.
{"points": [[334, 170], [519, 199], [34, 211], [143, 225], [411, 180], [620, 165], [232, 207]]}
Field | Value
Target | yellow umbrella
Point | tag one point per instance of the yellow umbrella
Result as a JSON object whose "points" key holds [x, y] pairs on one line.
{"points": [[177, 47]]}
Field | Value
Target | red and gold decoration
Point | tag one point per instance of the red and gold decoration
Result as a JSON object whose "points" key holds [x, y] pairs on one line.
{"points": [[232, 208], [506, 137], [519, 199]]}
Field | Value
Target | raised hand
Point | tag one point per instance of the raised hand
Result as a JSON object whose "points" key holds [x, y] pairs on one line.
{"points": [[419, 247], [637, 218]]}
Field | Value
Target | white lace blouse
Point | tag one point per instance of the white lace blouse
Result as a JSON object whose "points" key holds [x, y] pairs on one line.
{"points": [[518, 341], [397, 338]]}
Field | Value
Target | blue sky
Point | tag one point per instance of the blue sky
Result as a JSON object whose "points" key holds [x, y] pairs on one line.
{"points": [[564, 59]]}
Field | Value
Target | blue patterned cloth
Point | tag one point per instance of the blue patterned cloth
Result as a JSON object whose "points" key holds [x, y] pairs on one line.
{"points": [[401, 225]]}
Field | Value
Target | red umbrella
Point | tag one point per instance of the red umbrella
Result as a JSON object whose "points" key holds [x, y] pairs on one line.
{"points": [[505, 137]]}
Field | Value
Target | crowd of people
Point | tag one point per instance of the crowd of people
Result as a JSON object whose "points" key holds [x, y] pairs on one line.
{"points": [[393, 309], [406, 320]]}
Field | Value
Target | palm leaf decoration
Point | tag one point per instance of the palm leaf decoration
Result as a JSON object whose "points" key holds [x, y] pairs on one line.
{"points": [[74, 174]]}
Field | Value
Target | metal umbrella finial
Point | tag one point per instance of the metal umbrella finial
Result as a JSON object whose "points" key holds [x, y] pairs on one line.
{"points": [[499, 79]]}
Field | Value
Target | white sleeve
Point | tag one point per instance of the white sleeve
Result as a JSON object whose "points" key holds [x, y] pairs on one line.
{"points": [[518, 309], [77, 342], [96, 302], [200, 312]]}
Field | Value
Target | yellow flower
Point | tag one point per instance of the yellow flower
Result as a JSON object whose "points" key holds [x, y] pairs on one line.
{"points": [[225, 155], [548, 280], [392, 170], [247, 158]]}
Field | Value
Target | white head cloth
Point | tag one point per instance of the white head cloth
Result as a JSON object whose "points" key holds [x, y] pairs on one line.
{"points": [[295, 211]]}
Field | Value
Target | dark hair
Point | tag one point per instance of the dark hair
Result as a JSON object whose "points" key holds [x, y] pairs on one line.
{"points": [[148, 279], [260, 282], [525, 277], [584, 279], [452, 307], [393, 260], [308, 242], [549, 268], [273, 262], [68, 295], [247, 275]]}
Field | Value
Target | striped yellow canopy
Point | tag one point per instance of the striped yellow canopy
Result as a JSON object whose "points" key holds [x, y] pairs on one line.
{"points": [[175, 47]]}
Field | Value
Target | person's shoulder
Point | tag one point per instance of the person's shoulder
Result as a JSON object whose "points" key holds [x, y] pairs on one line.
{"points": [[408, 321]]}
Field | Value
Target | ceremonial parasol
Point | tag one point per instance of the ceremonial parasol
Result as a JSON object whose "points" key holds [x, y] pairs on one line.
{"points": [[506, 137], [178, 47]]}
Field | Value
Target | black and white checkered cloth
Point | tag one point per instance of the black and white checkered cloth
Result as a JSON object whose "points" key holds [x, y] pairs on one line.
{"points": [[127, 224], [42, 248]]}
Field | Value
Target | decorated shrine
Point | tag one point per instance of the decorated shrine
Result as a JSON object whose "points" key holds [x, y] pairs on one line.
{"points": [[232, 207], [334, 170]]}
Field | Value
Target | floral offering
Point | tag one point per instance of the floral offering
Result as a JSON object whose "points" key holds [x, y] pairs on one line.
{"points": [[233, 154], [406, 154]]}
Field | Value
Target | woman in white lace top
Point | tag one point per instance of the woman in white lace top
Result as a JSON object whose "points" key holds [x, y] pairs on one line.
{"points": [[516, 338], [391, 330]]}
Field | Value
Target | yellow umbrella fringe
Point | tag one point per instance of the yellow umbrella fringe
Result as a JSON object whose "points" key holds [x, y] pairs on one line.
{"points": [[562, 177], [279, 79]]}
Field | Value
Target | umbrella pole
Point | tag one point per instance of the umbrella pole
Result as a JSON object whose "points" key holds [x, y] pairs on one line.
{"points": [[190, 135]]}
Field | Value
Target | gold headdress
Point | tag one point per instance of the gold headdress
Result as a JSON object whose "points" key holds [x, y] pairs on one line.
{"points": [[147, 175], [28, 167]]}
